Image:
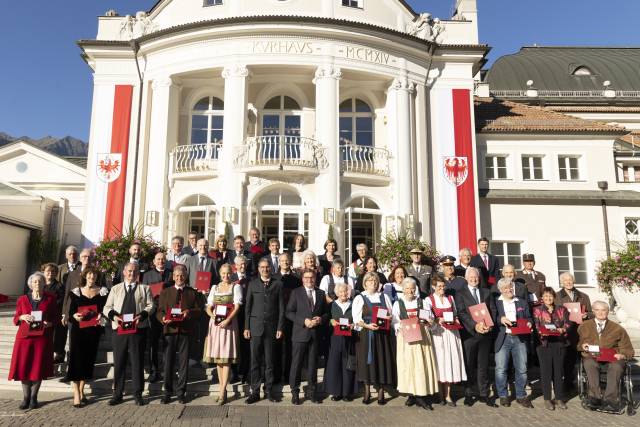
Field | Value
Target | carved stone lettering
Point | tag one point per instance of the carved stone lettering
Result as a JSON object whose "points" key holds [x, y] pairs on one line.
{"points": [[367, 54], [282, 46]]}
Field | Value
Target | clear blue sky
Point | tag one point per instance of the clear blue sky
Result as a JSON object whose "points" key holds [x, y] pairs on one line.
{"points": [[45, 88]]}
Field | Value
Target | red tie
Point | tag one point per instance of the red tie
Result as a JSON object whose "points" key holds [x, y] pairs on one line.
{"points": [[486, 262]]}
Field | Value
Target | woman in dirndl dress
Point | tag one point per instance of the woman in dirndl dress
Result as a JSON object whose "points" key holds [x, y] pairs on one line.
{"points": [[375, 361], [339, 376], [221, 346], [447, 344], [417, 372]]}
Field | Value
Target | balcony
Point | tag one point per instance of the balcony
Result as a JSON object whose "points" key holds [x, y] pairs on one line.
{"points": [[365, 165], [271, 156], [194, 161]]}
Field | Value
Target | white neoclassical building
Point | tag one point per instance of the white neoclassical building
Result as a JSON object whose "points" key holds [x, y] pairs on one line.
{"points": [[286, 115]]}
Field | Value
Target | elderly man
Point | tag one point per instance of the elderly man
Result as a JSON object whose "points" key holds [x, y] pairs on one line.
{"points": [[71, 255], [255, 246], [596, 335], [506, 311], [202, 262], [534, 280], [452, 282], [357, 266], [465, 261], [421, 273], [519, 287], [129, 302], [175, 255], [135, 254]]}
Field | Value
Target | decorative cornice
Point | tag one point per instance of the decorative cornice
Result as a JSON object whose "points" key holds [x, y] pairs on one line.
{"points": [[402, 83], [235, 70], [328, 71]]}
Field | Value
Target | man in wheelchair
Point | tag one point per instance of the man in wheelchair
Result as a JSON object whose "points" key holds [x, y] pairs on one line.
{"points": [[604, 344]]}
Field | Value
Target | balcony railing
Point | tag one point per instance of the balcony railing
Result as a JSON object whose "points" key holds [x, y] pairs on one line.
{"points": [[364, 160], [196, 157], [279, 150]]}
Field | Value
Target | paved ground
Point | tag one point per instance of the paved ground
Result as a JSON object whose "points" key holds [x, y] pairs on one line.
{"points": [[57, 410]]}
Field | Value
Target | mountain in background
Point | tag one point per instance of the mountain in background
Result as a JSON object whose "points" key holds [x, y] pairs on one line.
{"points": [[65, 147]]}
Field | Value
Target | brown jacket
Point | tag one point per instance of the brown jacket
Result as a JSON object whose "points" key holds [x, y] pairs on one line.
{"points": [[613, 336], [189, 302], [535, 285], [562, 297]]}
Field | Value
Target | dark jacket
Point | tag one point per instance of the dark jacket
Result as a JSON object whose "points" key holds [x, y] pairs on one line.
{"points": [[454, 285], [189, 301], [193, 267], [497, 312], [264, 307], [535, 282], [290, 282], [563, 297], [299, 309], [559, 317], [486, 273], [325, 264], [464, 300]]}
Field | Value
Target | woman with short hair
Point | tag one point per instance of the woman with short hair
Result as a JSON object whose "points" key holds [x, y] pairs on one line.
{"points": [[32, 357], [53, 286], [326, 260], [299, 247]]}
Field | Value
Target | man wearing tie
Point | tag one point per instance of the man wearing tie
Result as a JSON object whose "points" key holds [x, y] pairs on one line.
{"points": [[465, 262], [175, 255], [290, 281], [192, 248], [129, 299], [487, 264], [421, 273], [177, 333], [263, 322], [71, 254], [238, 250], [307, 309], [476, 339], [274, 255], [135, 252], [534, 280]]}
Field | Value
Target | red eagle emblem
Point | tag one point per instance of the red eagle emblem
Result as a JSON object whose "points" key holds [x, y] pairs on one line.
{"points": [[109, 166], [456, 170]]}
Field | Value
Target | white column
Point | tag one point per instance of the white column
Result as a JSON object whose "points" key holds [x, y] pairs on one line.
{"points": [[163, 135], [402, 89], [235, 127], [327, 81]]}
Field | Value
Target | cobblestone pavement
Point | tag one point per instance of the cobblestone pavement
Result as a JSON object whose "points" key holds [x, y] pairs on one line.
{"points": [[56, 410]]}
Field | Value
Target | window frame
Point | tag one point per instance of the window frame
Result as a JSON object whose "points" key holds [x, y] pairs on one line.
{"points": [[570, 257], [354, 116], [209, 113], [504, 257], [282, 113], [566, 159], [205, 3], [530, 164], [629, 236], [359, 4], [495, 167]]}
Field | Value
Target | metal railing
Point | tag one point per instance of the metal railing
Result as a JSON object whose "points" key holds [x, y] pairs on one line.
{"points": [[280, 150], [363, 159], [196, 157], [566, 93]]}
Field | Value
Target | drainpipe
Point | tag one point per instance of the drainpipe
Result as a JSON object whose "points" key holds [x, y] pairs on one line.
{"points": [[135, 46]]}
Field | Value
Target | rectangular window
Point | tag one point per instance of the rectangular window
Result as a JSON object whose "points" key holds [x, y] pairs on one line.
{"points": [[568, 168], [630, 173], [495, 167], [212, 3], [632, 228], [353, 3], [532, 167], [572, 258], [507, 253]]}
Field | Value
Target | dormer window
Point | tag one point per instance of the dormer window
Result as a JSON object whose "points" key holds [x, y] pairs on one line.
{"points": [[359, 4], [582, 71], [212, 3]]}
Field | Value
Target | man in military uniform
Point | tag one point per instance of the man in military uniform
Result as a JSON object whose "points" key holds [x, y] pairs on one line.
{"points": [[420, 272], [535, 280], [452, 282]]}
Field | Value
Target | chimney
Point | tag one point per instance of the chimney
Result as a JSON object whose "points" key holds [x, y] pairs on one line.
{"points": [[467, 10]]}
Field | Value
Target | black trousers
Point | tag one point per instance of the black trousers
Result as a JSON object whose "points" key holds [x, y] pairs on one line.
{"points": [[153, 343], [299, 351], [552, 362], [476, 360], [262, 349], [129, 348], [59, 337], [570, 361], [614, 372], [176, 343]]}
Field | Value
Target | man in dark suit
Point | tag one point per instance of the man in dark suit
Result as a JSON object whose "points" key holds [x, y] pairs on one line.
{"points": [[177, 333], [135, 252], [71, 254], [290, 281], [307, 309], [264, 320], [519, 286], [158, 274], [255, 246], [476, 339], [505, 313], [241, 369], [192, 247], [421, 273], [465, 262], [487, 264], [274, 255], [238, 249]]}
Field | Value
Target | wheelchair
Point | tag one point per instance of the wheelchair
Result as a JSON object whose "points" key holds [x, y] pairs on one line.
{"points": [[627, 402]]}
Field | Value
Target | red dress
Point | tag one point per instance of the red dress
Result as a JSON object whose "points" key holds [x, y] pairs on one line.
{"points": [[32, 358]]}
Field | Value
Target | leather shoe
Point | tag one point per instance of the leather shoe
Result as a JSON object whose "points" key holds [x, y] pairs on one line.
{"points": [[315, 399], [411, 400], [504, 401], [25, 404], [253, 398], [468, 401], [165, 400], [139, 401], [487, 401], [115, 400], [524, 402], [33, 404], [560, 404], [271, 398], [295, 399], [336, 398], [348, 398]]}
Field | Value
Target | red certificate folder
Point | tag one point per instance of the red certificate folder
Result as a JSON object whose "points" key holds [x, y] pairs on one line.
{"points": [[203, 281], [451, 326], [342, 329], [521, 328], [542, 330], [125, 328], [174, 314], [606, 355], [411, 330], [221, 314], [480, 314], [575, 311], [383, 323], [156, 289], [33, 329], [89, 315]]}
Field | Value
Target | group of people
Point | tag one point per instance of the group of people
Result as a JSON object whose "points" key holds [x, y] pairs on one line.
{"points": [[264, 317]]}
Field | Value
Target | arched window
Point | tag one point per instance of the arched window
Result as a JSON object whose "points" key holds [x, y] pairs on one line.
{"points": [[582, 71], [356, 123], [281, 117], [207, 120]]}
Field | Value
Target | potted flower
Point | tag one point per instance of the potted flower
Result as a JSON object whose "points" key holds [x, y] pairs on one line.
{"points": [[395, 250], [619, 276]]}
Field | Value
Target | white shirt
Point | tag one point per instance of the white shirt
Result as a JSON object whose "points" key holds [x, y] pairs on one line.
{"points": [[236, 290], [313, 294], [324, 283], [129, 286], [344, 306], [601, 324], [473, 291], [395, 311], [510, 311], [358, 304]]}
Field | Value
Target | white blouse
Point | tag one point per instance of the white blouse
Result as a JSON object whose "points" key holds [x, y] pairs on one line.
{"points": [[439, 303], [324, 284], [344, 306], [358, 304], [237, 294], [395, 312]]}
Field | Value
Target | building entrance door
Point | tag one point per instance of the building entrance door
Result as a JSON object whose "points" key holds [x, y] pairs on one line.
{"points": [[361, 225], [282, 224]]}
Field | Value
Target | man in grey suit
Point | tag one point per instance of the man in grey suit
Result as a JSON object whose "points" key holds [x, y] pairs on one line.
{"points": [[420, 272], [71, 254], [202, 262]]}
